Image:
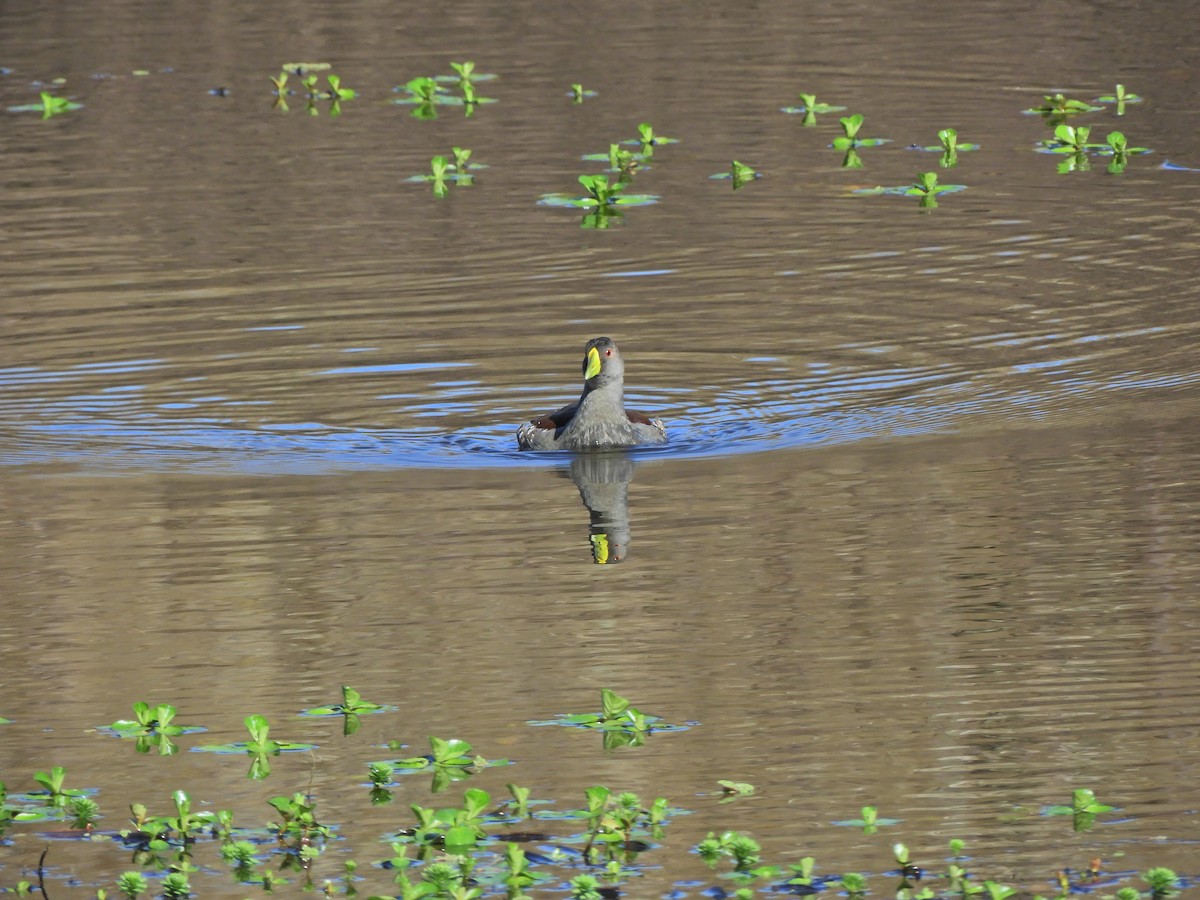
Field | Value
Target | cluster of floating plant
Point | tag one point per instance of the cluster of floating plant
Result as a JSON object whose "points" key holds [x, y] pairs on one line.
{"points": [[1072, 141], [443, 173], [603, 197], [310, 83], [606, 197], [481, 846], [426, 93]]}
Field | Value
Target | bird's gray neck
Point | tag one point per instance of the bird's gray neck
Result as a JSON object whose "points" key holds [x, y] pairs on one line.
{"points": [[607, 400]]}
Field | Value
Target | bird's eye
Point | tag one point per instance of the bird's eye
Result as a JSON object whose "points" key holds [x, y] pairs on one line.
{"points": [[608, 352]]}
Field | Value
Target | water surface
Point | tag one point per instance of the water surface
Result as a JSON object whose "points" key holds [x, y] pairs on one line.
{"points": [[924, 535]]}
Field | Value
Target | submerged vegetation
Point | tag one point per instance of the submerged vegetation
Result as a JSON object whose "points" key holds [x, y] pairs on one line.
{"points": [[476, 845]]}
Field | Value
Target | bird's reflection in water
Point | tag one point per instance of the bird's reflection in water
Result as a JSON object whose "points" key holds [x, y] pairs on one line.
{"points": [[603, 481]]}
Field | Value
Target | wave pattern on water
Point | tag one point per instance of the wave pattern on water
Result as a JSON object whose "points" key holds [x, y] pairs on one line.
{"points": [[116, 426]]}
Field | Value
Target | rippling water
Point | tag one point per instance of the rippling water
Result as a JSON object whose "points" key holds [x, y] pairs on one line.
{"points": [[924, 536]]}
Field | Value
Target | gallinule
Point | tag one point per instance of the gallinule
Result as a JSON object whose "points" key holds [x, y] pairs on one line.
{"points": [[598, 418]]}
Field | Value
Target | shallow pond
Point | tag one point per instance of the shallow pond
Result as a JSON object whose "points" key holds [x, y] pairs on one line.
{"points": [[923, 538]]}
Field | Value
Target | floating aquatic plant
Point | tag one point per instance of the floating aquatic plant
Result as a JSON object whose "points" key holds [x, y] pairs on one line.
{"points": [[1073, 142], [351, 707], [456, 847], [578, 94], [306, 74], [427, 92], [731, 790], [739, 173], [1059, 105], [153, 728], [450, 760], [949, 146], [926, 187], [260, 747], [1120, 98], [465, 72], [648, 139], [51, 105], [443, 173], [1163, 882], [352, 704], [626, 163], [1083, 809], [870, 822], [810, 109], [616, 714], [601, 195], [850, 140], [1068, 139]]}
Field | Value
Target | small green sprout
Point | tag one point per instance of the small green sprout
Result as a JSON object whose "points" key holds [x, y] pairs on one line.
{"points": [[854, 884], [52, 782], [464, 70], [871, 821], [1059, 105], [380, 773], [1071, 139], [851, 142], [648, 138], [1120, 97], [52, 105], [337, 91], [810, 109], [260, 741], [1163, 882], [585, 887], [175, 886], [811, 105], [599, 190], [733, 789], [132, 884], [1083, 809], [438, 167], [802, 872], [424, 89], [83, 812], [741, 173], [850, 129]]}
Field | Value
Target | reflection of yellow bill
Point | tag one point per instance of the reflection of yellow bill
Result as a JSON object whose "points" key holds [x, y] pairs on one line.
{"points": [[600, 543]]}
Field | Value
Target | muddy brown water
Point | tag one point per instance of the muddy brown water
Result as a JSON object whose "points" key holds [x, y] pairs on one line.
{"points": [[925, 534]]}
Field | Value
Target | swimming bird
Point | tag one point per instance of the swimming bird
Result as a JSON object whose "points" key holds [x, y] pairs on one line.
{"points": [[598, 419]]}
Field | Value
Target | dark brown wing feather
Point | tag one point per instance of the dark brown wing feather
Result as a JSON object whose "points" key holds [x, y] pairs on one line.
{"points": [[555, 420], [638, 418]]}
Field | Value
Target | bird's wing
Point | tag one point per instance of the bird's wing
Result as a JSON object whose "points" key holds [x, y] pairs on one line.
{"points": [[557, 419]]}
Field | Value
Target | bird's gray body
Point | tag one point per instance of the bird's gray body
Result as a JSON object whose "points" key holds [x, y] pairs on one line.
{"points": [[598, 419]]}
